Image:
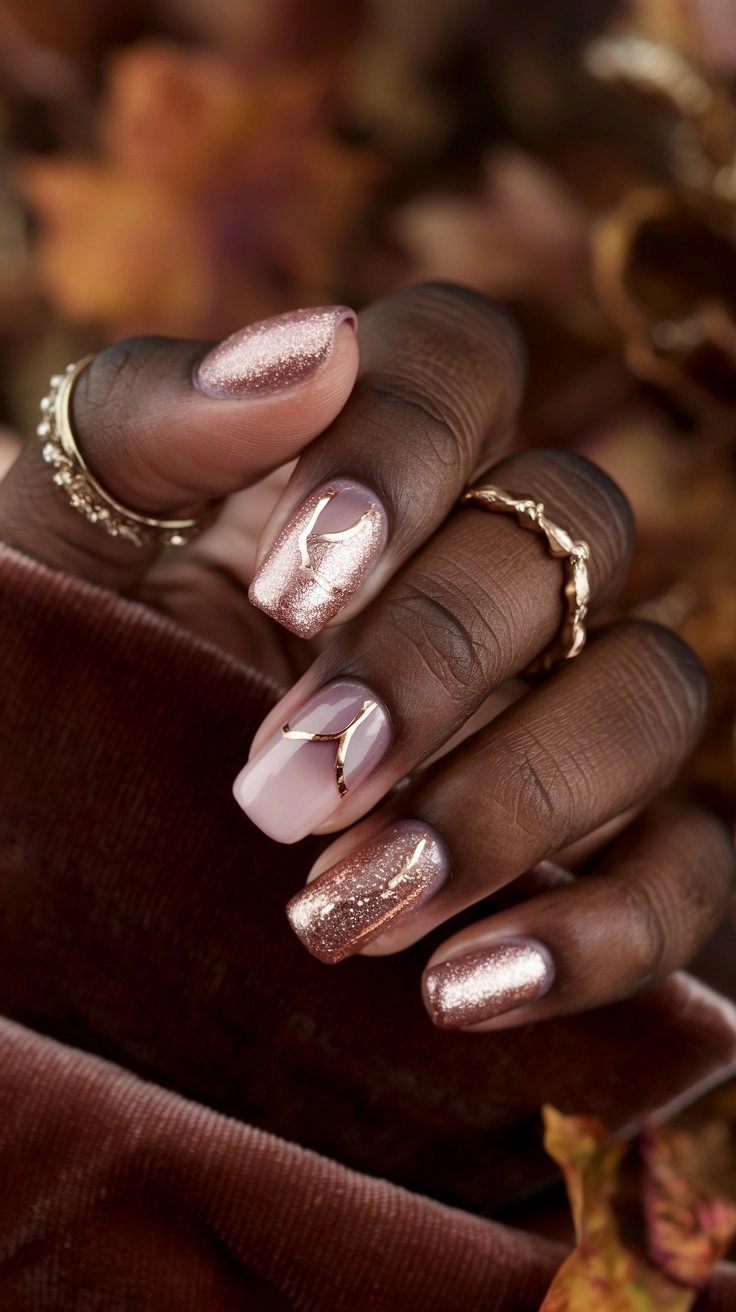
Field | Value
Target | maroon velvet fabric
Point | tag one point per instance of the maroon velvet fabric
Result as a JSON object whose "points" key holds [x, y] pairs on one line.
{"points": [[720, 1295], [141, 1200], [141, 920]]}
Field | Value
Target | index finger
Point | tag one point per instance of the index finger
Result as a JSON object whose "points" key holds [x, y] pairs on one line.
{"points": [[435, 400]]}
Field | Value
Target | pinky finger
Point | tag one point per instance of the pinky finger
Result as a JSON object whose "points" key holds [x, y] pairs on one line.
{"points": [[655, 899]]}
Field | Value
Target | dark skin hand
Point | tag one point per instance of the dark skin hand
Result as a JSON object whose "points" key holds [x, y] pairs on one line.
{"points": [[471, 778]]}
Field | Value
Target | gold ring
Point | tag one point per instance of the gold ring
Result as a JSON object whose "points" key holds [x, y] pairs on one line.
{"points": [[74, 477], [531, 514]]}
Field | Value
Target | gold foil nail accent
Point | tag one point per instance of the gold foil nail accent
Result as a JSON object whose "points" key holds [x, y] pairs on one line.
{"points": [[308, 575], [400, 877], [340, 736], [305, 556]]}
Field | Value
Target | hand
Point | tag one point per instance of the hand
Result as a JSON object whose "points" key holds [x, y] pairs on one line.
{"points": [[425, 610]]}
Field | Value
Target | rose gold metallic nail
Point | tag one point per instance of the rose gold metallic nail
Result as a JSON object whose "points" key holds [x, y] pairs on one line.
{"points": [[272, 355], [350, 905], [486, 983], [321, 557]]}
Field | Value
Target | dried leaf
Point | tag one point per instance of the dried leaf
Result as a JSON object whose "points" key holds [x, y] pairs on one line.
{"points": [[217, 198], [689, 1228], [601, 1275]]}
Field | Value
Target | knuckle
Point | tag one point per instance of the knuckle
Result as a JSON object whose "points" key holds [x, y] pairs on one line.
{"points": [[671, 684], [451, 308], [430, 420], [608, 505], [113, 377], [645, 931], [107, 407], [453, 641], [538, 790], [698, 849], [449, 359]]}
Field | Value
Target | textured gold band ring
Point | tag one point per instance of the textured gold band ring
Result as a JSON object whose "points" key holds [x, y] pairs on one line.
{"points": [[87, 496], [531, 514]]}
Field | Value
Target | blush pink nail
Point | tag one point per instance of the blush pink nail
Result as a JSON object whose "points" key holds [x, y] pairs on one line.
{"points": [[321, 557], [273, 355], [295, 782]]}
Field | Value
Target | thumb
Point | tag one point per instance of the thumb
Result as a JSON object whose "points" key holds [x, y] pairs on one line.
{"points": [[166, 424]]}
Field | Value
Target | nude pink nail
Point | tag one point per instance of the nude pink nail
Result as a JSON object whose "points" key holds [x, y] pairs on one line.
{"points": [[321, 557], [304, 772], [272, 355]]}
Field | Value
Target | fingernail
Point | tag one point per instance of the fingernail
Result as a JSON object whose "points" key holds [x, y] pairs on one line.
{"points": [[325, 751], [272, 355], [351, 904], [321, 557], [487, 983]]}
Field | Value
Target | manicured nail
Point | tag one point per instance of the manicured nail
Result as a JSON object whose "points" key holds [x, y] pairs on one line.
{"points": [[304, 772], [321, 557], [272, 355], [486, 983], [351, 904]]}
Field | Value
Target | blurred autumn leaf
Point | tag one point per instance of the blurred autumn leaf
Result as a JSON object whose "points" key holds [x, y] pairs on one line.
{"points": [[522, 235], [214, 198], [687, 1226]]}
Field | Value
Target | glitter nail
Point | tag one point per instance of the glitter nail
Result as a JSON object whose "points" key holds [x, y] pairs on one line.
{"points": [[272, 355], [486, 983], [350, 905], [321, 557]]}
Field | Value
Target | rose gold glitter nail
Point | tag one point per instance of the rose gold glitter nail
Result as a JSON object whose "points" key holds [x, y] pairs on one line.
{"points": [[321, 557], [351, 904], [486, 983], [272, 355]]}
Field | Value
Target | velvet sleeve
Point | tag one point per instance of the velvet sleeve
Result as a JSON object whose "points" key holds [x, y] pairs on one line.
{"points": [[141, 922]]}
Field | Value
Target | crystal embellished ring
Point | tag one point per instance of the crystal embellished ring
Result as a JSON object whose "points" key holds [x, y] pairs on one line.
{"points": [[85, 494], [531, 514]]}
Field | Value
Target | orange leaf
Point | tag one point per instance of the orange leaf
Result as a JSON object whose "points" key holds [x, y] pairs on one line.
{"points": [[215, 198]]}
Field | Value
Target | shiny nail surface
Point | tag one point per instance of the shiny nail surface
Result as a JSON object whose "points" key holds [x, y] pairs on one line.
{"points": [[486, 983], [351, 904], [321, 557], [272, 355], [303, 773]]}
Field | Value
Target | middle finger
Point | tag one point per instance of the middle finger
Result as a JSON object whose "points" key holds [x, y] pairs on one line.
{"points": [[471, 609]]}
